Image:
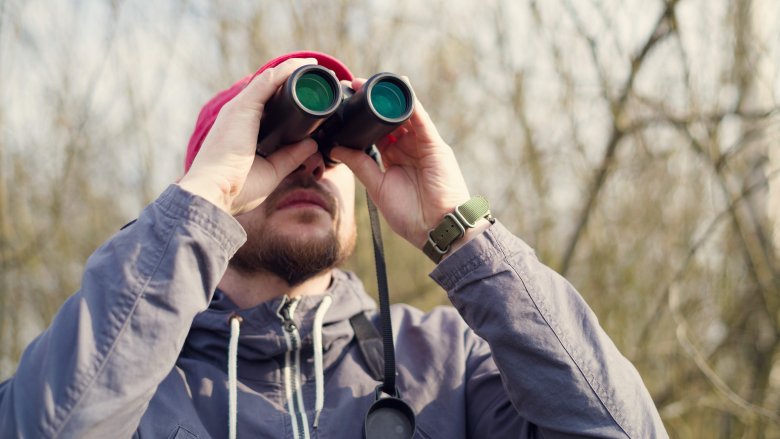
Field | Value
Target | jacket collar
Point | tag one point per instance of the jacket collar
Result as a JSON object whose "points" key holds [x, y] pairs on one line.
{"points": [[262, 337]]}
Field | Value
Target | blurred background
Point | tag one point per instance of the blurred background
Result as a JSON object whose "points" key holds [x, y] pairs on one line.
{"points": [[632, 143]]}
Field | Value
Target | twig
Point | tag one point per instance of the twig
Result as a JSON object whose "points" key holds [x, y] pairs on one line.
{"points": [[678, 275], [661, 30], [711, 376]]}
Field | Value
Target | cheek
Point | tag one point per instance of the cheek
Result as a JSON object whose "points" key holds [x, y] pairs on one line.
{"points": [[348, 206], [347, 220], [347, 231], [251, 220], [343, 179]]}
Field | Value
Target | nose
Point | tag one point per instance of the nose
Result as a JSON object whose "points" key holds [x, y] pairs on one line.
{"points": [[314, 166]]}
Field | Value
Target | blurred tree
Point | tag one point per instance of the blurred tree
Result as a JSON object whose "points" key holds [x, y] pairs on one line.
{"points": [[632, 143]]}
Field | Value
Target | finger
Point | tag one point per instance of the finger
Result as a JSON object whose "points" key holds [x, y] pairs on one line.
{"points": [[393, 155], [364, 167], [392, 138], [263, 86], [421, 122], [358, 82], [421, 114], [287, 159]]}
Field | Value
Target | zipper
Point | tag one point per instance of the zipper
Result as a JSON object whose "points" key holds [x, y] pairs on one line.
{"points": [[292, 362]]}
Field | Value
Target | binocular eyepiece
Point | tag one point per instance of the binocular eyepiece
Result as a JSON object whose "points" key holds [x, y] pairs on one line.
{"points": [[313, 103]]}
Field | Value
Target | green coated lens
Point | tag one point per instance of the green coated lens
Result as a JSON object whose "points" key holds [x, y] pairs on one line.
{"points": [[388, 99], [314, 92]]}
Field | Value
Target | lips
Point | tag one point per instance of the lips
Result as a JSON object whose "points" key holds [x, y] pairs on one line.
{"points": [[304, 198]]}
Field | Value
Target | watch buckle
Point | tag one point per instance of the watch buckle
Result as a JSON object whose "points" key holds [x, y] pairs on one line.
{"points": [[454, 219]]}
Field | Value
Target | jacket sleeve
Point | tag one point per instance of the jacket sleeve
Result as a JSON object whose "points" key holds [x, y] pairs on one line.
{"points": [[560, 370], [92, 373]]}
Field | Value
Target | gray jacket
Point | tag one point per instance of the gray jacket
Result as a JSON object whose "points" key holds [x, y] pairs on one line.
{"points": [[142, 349]]}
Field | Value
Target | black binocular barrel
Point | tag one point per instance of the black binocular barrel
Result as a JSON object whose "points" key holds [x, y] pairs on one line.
{"points": [[313, 103], [381, 105], [309, 96]]}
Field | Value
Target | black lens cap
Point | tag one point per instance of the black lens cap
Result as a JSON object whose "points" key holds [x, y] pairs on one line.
{"points": [[389, 418]]}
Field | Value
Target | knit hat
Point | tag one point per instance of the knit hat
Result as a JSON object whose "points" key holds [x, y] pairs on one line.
{"points": [[208, 114]]}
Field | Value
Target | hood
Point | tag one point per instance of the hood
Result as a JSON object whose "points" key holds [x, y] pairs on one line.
{"points": [[262, 337]]}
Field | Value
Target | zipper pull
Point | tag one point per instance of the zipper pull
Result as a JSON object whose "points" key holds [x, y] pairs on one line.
{"points": [[288, 323]]}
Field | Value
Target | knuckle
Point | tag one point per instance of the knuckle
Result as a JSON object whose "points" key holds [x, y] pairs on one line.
{"points": [[268, 76]]}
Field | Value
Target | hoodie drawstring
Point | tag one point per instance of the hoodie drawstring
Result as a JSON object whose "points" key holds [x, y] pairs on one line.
{"points": [[319, 378], [235, 329]]}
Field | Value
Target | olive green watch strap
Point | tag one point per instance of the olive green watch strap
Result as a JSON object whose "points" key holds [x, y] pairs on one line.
{"points": [[454, 226]]}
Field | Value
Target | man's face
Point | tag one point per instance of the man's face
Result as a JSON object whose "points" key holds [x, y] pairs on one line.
{"points": [[306, 226]]}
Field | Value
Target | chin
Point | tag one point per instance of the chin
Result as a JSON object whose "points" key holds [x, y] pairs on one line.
{"points": [[305, 232], [304, 221]]}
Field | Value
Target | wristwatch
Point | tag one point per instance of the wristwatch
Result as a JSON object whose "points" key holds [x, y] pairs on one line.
{"points": [[454, 226]]}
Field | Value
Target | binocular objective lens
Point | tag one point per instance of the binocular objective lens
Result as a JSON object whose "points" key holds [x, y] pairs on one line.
{"points": [[388, 99], [314, 92]]}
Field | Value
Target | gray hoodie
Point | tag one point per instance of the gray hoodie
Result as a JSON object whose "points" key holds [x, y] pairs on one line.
{"points": [[143, 349]]}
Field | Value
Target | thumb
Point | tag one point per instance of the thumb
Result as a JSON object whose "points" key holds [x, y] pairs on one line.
{"points": [[266, 174], [285, 160]]}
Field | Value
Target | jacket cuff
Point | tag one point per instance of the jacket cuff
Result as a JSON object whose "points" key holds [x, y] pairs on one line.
{"points": [[490, 248], [178, 203]]}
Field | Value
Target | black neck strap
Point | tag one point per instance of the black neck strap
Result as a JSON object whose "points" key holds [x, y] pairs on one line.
{"points": [[384, 300], [388, 417]]}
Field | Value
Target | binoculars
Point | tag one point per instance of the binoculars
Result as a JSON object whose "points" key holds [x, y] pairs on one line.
{"points": [[313, 103]]}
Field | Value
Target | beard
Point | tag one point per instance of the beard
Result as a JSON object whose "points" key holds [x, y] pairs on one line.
{"points": [[293, 259]]}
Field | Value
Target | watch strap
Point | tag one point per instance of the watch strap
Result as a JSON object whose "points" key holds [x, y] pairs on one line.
{"points": [[453, 227]]}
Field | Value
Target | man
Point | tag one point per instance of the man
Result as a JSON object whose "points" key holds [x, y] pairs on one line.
{"points": [[233, 268]]}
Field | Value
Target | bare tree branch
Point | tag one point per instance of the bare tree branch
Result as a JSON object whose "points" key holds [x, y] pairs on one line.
{"points": [[662, 29], [701, 363]]}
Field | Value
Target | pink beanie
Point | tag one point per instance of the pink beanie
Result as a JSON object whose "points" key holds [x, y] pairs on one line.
{"points": [[209, 111]]}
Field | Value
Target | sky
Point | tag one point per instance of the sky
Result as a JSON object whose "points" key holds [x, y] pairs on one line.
{"points": [[153, 64]]}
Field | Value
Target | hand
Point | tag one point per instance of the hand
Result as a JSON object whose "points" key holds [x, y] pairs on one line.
{"points": [[226, 171], [422, 181]]}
